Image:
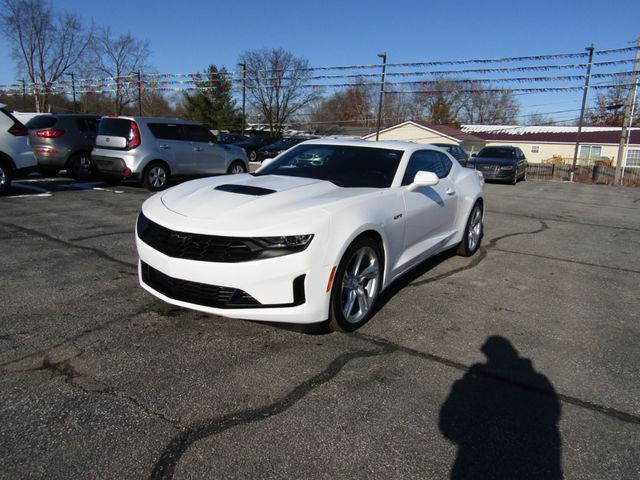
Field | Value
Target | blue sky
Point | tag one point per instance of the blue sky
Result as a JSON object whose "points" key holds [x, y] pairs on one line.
{"points": [[186, 36]]}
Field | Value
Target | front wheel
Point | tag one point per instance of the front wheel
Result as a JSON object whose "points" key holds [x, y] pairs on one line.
{"points": [[6, 175], [253, 156], [237, 167], [155, 176], [356, 285], [473, 232]]}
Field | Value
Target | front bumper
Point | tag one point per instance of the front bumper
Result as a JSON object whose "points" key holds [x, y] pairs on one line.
{"points": [[290, 288], [495, 173]]}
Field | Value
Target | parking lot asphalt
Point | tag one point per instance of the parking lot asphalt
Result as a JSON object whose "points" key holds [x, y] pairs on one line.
{"points": [[520, 362]]}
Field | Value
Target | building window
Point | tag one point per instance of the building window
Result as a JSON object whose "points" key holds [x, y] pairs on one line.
{"points": [[535, 148], [633, 158], [590, 151]]}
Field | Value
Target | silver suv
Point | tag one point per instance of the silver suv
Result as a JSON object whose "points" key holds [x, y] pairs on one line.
{"points": [[16, 156], [151, 150]]}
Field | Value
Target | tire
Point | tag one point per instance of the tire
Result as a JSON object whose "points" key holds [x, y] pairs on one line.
{"points": [[353, 296], [253, 156], [6, 176], [80, 166], [48, 171], [236, 167], [514, 179], [155, 176], [524, 175], [473, 232]]}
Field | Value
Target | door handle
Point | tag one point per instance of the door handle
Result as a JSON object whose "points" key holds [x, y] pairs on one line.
{"points": [[450, 191], [165, 146], [197, 149]]}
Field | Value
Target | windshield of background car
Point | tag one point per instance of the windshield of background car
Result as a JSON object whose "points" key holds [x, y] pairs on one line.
{"points": [[344, 166], [497, 152]]}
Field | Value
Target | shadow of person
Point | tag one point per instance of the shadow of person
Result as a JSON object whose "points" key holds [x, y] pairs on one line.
{"points": [[503, 416]]}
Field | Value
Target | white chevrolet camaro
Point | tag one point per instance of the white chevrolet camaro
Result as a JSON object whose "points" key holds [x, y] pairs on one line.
{"points": [[315, 234]]}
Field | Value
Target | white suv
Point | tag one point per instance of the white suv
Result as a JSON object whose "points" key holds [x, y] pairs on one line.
{"points": [[16, 156], [151, 150]]}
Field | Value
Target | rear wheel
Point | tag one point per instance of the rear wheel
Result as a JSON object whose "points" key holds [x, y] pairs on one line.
{"points": [[155, 176], [356, 285], [237, 167], [253, 156], [80, 166], [6, 175], [473, 232]]}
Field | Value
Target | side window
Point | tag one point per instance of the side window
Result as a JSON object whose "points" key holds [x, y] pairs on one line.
{"points": [[427, 161], [166, 131], [446, 165], [92, 124], [198, 133], [82, 124]]}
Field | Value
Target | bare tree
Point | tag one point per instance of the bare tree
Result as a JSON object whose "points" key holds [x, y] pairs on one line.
{"points": [[352, 106], [490, 106], [537, 118], [45, 43], [119, 58], [609, 107], [275, 85]]}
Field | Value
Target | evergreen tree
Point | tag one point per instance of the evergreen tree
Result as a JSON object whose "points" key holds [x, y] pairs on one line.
{"points": [[213, 105]]}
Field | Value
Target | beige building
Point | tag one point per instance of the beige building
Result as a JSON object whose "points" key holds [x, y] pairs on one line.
{"points": [[539, 143]]}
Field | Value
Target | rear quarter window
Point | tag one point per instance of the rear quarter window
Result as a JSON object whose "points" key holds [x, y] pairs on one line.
{"points": [[167, 131]]}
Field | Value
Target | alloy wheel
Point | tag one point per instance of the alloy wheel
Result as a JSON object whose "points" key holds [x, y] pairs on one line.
{"points": [[157, 176], [360, 284], [475, 229]]}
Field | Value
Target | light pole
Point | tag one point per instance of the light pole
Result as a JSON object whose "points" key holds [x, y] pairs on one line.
{"points": [[244, 94], [73, 89], [585, 94], [139, 92], [383, 56]]}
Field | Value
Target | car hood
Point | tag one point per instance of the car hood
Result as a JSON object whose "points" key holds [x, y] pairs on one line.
{"points": [[492, 161], [255, 201]]}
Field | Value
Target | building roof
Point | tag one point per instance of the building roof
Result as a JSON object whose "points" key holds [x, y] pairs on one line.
{"points": [[552, 134], [453, 133]]}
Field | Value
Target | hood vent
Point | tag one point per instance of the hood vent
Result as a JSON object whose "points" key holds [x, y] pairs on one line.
{"points": [[245, 190]]}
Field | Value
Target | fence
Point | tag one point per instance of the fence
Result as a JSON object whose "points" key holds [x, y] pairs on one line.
{"points": [[584, 174]]}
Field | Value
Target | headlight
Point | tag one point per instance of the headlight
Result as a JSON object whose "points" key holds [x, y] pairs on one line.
{"points": [[278, 246], [506, 167]]}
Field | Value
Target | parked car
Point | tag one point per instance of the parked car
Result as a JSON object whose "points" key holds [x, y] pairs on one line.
{"points": [[230, 137], [252, 144], [302, 241], [279, 146], [16, 156], [455, 151], [500, 163], [64, 141], [152, 150]]}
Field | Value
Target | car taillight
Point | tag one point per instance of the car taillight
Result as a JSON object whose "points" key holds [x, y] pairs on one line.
{"points": [[134, 136], [19, 130], [50, 133]]}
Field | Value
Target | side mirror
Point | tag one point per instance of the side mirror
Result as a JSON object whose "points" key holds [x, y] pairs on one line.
{"points": [[424, 179], [266, 162]]}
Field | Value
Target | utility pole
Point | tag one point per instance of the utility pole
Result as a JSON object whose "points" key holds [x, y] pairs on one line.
{"points": [[585, 94], [628, 116], [73, 90], [383, 56], [139, 92], [244, 95], [24, 96]]}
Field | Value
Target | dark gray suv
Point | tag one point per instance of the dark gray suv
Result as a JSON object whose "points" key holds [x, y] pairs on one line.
{"points": [[64, 141]]}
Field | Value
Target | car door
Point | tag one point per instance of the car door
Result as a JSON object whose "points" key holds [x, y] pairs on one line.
{"points": [[429, 211], [209, 156], [522, 163], [176, 149]]}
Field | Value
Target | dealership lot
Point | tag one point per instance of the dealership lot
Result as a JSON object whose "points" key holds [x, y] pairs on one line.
{"points": [[98, 379]]}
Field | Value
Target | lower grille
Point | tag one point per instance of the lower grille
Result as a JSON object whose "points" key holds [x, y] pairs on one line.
{"points": [[211, 295]]}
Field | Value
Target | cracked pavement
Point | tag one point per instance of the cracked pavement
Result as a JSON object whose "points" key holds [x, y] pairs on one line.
{"points": [[100, 380]]}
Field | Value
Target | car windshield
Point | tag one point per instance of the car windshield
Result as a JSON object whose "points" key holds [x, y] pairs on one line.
{"points": [[252, 141], [343, 165], [497, 152]]}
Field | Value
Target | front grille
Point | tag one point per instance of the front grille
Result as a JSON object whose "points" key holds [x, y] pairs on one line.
{"points": [[211, 295], [194, 292], [193, 246]]}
